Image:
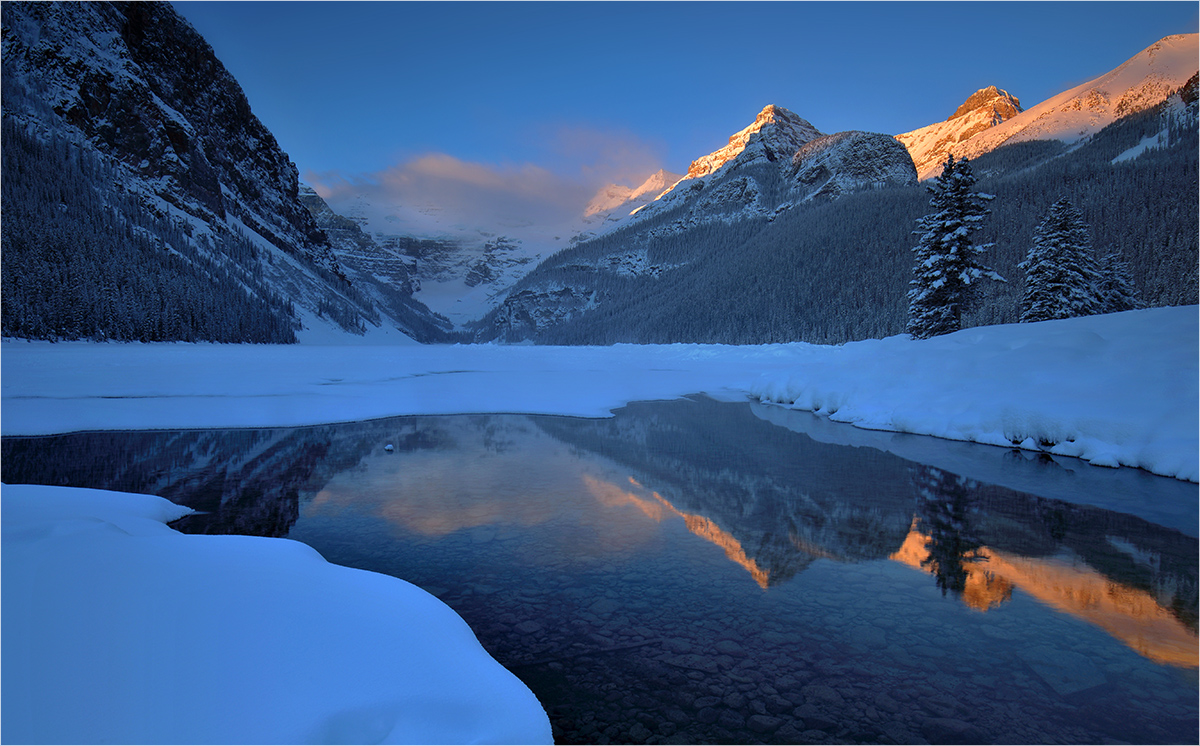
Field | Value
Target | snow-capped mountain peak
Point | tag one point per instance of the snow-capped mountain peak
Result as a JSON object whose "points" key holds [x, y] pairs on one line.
{"points": [[779, 129], [982, 110], [656, 183], [1143, 81], [998, 102]]}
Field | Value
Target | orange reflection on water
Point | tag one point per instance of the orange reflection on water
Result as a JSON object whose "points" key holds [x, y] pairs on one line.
{"points": [[612, 495], [984, 589], [1131, 615]]}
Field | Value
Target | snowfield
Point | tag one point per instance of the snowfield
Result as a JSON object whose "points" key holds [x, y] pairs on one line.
{"points": [[117, 628], [1116, 390]]}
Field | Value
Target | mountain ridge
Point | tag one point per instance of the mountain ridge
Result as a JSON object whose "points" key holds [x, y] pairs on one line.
{"points": [[1144, 80]]}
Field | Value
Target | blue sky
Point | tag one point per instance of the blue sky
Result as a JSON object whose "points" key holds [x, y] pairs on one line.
{"points": [[598, 92]]}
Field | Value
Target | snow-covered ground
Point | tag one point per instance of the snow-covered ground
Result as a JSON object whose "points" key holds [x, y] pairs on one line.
{"points": [[1115, 390], [118, 629]]}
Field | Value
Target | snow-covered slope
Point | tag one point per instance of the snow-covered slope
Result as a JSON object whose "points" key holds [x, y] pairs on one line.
{"points": [[777, 161], [460, 267], [118, 629], [617, 199], [985, 108], [1143, 81], [381, 273]]}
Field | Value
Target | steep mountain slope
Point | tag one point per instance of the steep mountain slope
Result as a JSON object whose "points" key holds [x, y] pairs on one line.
{"points": [[128, 107], [776, 165], [834, 270], [1143, 81], [985, 108], [380, 273]]}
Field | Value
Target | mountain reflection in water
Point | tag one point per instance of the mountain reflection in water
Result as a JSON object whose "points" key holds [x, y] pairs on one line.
{"points": [[706, 572], [773, 500]]}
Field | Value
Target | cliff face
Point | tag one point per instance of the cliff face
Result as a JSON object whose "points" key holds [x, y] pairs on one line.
{"points": [[171, 154], [136, 82]]}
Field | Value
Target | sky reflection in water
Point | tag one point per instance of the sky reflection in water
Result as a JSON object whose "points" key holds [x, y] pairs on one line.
{"points": [[691, 567]]}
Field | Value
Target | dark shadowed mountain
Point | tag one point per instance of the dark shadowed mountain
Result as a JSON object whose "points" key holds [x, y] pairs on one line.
{"points": [[144, 200]]}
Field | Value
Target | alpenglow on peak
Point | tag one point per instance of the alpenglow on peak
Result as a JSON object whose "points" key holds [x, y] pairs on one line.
{"points": [[1002, 104], [780, 129], [983, 109]]}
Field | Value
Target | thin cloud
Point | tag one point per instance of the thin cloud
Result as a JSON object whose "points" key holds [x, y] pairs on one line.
{"points": [[481, 195], [603, 157]]}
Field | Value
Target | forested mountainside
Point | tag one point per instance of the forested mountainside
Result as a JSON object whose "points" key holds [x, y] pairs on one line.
{"points": [[831, 271], [142, 198]]}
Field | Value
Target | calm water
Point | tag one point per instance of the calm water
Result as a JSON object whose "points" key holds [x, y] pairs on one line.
{"points": [[704, 572]]}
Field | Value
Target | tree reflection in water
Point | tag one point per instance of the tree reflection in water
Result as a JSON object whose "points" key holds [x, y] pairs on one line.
{"points": [[944, 515]]}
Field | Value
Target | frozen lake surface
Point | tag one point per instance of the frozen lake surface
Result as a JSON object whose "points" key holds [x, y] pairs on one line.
{"points": [[697, 571]]}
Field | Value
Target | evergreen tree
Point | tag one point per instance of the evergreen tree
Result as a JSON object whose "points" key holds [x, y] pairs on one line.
{"points": [[1116, 289], [1061, 277], [947, 263]]}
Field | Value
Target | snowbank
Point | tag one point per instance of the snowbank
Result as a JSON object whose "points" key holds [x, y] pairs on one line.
{"points": [[1119, 389], [118, 629], [1115, 390], [55, 388]]}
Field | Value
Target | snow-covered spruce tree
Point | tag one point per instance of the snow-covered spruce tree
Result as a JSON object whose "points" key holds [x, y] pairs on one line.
{"points": [[947, 263], [1116, 288], [1061, 277]]}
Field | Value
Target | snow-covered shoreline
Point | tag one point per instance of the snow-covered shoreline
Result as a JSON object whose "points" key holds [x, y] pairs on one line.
{"points": [[1119, 389], [1114, 390], [118, 629]]}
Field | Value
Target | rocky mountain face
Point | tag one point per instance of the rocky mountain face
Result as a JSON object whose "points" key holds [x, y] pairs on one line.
{"points": [[833, 165], [138, 89], [985, 108], [775, 131], [1142, 82], [381, 273], [777, 163], [780, 160], [458, 269]]}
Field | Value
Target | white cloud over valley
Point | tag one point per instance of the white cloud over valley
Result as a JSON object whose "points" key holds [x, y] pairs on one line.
{"points": [[439, 191]]}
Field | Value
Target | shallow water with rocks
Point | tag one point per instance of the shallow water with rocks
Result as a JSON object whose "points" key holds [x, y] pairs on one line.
{"points": [[707, 572]]}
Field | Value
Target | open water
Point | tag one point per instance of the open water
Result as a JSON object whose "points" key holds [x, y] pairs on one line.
{"points": [[706, 572]]}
